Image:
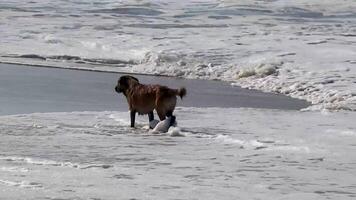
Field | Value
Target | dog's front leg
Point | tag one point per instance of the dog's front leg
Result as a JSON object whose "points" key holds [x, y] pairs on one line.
{"points": [[151, 120], [132, 116], [150, 116]]}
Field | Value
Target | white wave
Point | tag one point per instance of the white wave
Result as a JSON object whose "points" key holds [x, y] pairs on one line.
{"points": [[260, 69]]}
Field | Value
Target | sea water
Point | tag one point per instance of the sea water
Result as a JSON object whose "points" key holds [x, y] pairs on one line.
{"points": [[240, 153], [305, 48]]}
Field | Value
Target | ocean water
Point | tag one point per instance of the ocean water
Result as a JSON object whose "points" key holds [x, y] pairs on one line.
{"points": [[305, 48], [236, 154]]}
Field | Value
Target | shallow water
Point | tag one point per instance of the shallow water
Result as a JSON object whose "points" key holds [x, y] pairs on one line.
{"points": [[299, 48], [218, 154]]}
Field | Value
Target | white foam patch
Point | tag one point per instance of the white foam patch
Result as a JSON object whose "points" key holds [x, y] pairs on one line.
{"points": [[301, 149], [14, 169], [228, 139], [21, 184], [341, 132], [258, 145], [348, 133], [118, 117], [176, 132], [164, 127], [243, 143], [44, 162]]}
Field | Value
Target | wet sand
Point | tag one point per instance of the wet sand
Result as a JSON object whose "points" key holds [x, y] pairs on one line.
{"points": [[28, 89]]}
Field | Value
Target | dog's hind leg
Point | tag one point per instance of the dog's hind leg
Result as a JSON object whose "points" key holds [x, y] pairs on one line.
{"points": [[161, 114], [172, 117], [132, 116]]}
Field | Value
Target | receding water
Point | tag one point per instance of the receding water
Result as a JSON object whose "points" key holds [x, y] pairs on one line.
{"points": [[216, 154]]}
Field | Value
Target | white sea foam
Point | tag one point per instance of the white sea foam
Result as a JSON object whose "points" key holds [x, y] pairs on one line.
{"points": [[349, 133], [176, 132], [228, 139], [302, 49], [302, 149], [14, 169], [75, 152], [341, 132], [45, 162], [120, 118], [21, 184], [36, 161], [254, 144]]}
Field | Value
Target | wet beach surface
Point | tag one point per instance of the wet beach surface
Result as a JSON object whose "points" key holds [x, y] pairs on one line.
{"points": [[26, 89], [227, 144]]}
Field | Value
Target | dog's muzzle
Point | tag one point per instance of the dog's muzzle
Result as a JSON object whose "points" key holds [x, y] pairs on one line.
{"points": [[117, 89]]}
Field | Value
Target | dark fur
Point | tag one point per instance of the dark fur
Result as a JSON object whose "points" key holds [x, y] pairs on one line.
{"points": [[143, 99]]}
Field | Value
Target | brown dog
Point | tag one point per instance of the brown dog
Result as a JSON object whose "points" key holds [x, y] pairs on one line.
{"points": [[143, 99]]}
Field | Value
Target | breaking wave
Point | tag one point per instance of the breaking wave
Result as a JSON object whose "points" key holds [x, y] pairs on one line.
{"points": [[302, 49]]}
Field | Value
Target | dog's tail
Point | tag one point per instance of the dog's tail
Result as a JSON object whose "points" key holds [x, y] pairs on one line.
{"points": [[181, 92]]}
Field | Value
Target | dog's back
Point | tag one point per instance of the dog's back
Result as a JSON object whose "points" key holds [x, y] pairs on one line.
{"points": [[145, 98]]}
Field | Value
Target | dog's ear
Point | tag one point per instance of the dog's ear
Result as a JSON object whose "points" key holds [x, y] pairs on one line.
{"points": [[134, 79], [126, 81]]}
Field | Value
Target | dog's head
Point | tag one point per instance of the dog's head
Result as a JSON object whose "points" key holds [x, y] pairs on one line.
{"points": [[124, 83]]}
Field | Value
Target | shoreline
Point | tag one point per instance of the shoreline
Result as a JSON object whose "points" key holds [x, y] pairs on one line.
{"points": [[27, 89]]}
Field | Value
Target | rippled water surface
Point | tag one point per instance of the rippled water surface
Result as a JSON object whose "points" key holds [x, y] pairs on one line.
{"points": [[303, 49], [233, 154]]}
